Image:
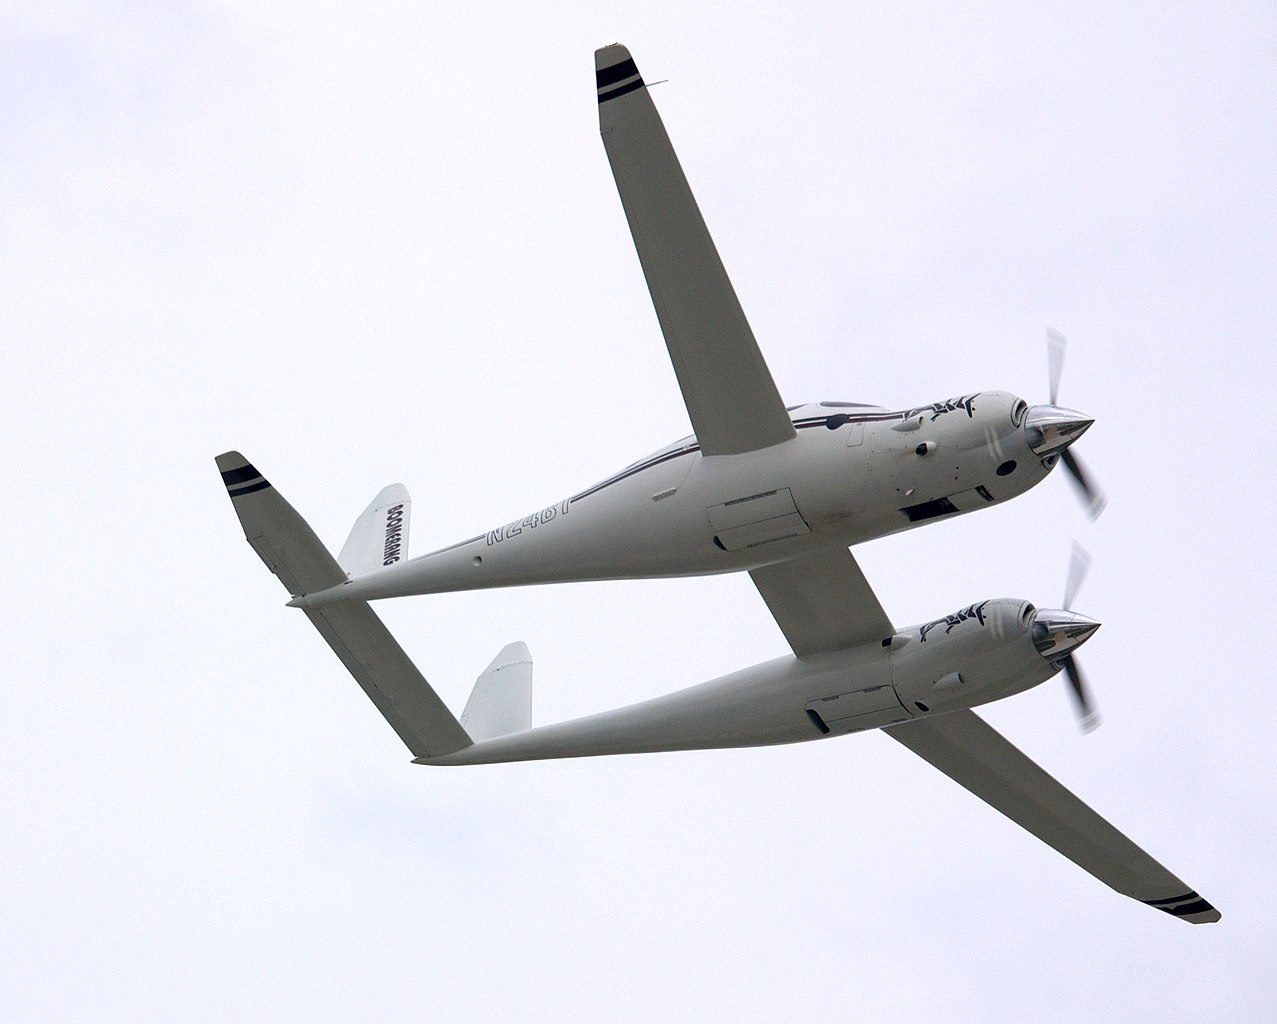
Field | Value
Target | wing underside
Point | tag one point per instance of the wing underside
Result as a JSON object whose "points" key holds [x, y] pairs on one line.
{"points": [[729, 392], [822, 602], [979, 758]]}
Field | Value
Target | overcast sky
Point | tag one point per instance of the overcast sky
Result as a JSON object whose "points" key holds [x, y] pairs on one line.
{"points": [[381, 242]]}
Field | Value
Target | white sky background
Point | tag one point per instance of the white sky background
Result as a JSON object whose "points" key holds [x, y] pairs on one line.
{"points": [[386, 245]]}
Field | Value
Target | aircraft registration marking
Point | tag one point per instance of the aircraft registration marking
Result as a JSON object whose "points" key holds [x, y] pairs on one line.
{"points": [[516, 528]]}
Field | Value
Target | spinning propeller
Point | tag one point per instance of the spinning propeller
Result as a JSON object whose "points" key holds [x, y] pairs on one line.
{"points": [[1056, 634], [1051, 430], [1079, 565], [1056, 428]]}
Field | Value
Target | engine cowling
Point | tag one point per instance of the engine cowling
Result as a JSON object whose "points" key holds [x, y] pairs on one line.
{"points": [[981, 653]]}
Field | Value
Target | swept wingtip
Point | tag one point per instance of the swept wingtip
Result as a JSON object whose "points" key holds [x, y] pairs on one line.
{"points": [[1189, 907], [615, 73], [230, 460], [239, 475], [606, 56]]}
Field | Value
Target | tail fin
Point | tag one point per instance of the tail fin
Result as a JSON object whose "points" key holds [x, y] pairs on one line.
{"points": [[501, 701], [290, 549], [380, 536]]}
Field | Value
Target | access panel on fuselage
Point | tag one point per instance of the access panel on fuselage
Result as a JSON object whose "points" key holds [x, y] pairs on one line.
{"points": [[860, 709], [757, 519]]}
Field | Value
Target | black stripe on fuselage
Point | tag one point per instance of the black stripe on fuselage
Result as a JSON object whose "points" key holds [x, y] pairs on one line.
{"points": [[841, 419], [829, 422], [625, 474]]}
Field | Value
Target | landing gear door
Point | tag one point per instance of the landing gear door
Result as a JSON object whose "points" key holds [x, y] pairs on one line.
{"points": [[862, 709], [757, 519]]}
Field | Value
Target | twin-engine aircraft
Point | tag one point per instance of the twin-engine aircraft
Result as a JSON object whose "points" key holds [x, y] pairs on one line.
{"points": [[780, 493]]}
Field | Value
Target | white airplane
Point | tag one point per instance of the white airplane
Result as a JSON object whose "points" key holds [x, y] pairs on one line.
{"points": [[755, 489]]}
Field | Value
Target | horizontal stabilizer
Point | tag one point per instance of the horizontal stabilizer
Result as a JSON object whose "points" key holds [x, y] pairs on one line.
{"points": [[282, 538], [388, 676], [290, 549], [380, 536], [501, 702]]}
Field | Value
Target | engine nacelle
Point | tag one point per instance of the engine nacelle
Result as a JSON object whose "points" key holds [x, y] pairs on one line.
{"points": [[980, 654]]}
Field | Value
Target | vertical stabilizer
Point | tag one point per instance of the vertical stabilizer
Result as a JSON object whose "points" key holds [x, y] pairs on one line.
{"points": [[501, 702], [379, 537]]}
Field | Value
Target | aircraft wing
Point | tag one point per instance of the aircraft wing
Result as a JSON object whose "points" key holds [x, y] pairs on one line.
{"points": [[977, 756], [729, 392], [822, 602]]}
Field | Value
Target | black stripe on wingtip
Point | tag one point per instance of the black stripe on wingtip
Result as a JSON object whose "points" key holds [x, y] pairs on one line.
{"points": [[1172, 899], [245, 473], [1188, 909], [236, 492], [616, 73], [630, 87], [1187, 905]]}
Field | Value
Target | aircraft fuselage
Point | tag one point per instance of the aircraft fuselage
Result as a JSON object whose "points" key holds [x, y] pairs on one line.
{"points": [[981, 654], [851, 473]]}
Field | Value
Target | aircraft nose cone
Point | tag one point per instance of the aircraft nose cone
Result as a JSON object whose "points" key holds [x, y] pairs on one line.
{"points": [[1052, 428], [1057, 633]]}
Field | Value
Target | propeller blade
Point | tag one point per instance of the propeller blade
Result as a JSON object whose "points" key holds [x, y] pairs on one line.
{"points": [[1092, 497], [1056, 343], [1079, 566], [1090, 718]]}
